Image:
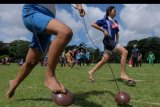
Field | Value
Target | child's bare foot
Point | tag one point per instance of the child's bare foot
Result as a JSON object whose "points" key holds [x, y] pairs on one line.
{"points": [[54, 86], [91, 77], [11, 90], [125, 77]]}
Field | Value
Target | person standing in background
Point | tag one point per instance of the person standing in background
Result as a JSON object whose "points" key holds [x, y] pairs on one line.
{"points": [[63, 58], [87, 57], [130, 62], [73, 54], [82, 57], [79, 58], [151, 58], [135, 55], [139, 59]]}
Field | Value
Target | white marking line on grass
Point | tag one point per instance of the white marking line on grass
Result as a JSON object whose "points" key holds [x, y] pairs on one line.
{"points": [[138, 74], [111, 74], [143, 74], [147, 81], [34, 87], [31, 87], [140, 80], [4, 83], [137, 101], [153, 81]]}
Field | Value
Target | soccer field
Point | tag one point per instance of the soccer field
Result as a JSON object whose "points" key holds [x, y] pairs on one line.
{"points": [[33, 93]]}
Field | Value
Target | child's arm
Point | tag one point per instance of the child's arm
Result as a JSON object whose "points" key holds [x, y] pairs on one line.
{"points": [[81, 10], [99, 28]]}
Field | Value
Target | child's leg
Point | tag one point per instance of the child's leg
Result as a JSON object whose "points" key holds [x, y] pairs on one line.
{"points": [[124, 54], [62, 62], [78, 62], [32, 59], [152, 62], [136, 62], [104, 59], [64, 35], [83, 61], [86, 61], [73, 63]]}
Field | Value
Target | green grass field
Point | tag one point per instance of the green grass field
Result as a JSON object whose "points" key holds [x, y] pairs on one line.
{"points": [[32, 93]]}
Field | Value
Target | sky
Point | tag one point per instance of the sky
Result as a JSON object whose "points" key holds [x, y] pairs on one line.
{"points": [[136, 21]]}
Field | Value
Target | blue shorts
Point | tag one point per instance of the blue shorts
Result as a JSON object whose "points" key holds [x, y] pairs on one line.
{"points": [[36, 19]]}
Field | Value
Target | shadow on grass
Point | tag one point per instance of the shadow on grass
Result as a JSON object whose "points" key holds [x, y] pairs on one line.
{"points": [[35, 99], [125, 105], [120, 80], [81, 98], [117, 79]]}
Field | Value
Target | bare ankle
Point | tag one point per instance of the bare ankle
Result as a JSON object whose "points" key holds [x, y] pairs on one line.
{"points": [[91, 72], [49, 76], [123, 73], [13, 83]]}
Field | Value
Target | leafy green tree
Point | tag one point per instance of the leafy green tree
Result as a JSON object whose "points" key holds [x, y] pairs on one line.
{"points": [[145, 46], [3, 48], [18, 48]]}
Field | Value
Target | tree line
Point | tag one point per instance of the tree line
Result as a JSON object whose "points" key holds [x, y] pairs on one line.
{"points": [[18, 49]]}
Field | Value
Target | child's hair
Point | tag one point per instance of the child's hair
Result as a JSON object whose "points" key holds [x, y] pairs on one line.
{"points": [[109, 9]]}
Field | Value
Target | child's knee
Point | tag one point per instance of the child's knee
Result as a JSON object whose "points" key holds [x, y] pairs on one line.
{"points": [[104, 60], [66, 33], [125, 52], [31, 64]]}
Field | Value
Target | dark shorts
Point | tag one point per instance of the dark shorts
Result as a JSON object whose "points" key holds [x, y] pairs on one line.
{"points": [[110, 45]]}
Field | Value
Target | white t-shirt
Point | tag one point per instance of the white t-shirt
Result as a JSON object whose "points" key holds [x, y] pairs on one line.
{"points": [[50, 7]]}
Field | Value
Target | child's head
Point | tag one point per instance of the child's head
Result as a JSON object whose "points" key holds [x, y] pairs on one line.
{"points": [[135, 46], [111, 11]]}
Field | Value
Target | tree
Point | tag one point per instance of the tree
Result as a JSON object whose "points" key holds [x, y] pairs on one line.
{"points": [[145, 46], [3, 48], [18, 48], [97, 56]]}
